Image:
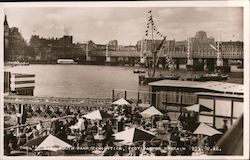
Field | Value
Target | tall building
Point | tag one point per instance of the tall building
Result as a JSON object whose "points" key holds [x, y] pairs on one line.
{"points": [[14, 43], [201, 43]]}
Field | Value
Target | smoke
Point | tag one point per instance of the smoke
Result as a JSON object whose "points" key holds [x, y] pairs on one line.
{"points": [[67, 30]]}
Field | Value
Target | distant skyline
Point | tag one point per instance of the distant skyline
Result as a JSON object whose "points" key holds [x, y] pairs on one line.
{"points": [[127, 25]]}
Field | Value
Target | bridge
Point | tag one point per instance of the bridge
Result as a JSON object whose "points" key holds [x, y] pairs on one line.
{"points": [[203, 60]]}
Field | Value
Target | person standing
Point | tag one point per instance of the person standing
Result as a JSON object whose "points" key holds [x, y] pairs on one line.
{"points": [[120, 125], [224, 129]]}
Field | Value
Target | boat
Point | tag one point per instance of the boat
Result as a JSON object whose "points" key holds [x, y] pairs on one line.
{"points": [[211, 77], [145, 80], [16, 63], [66, 61], [152, 77], [139, 71]]}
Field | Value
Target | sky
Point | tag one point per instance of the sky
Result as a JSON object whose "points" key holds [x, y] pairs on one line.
{"points": [[127, 25]]}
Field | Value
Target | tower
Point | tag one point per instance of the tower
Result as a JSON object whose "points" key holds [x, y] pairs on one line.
{"points": [[6, 37]]}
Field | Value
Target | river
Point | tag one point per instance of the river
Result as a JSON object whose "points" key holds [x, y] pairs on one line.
{"points": [[85, 81]]}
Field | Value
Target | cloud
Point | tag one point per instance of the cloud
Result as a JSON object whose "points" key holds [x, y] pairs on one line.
{"points": [[127, 25]]}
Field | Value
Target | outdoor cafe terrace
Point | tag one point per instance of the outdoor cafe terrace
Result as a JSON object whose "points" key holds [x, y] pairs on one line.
{"points": [[118, 130]]}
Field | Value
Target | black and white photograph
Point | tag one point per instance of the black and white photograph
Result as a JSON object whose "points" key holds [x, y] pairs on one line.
{"points": [[125, 79]]}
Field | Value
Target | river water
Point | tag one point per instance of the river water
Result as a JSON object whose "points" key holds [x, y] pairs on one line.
{"points": [[84, 81]]}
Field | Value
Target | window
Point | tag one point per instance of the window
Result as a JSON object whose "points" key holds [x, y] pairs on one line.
{"points": [[206, 119], [223, 107], [238, 108], [209, 103]]}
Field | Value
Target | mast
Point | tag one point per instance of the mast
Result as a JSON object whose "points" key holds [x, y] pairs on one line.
{"points": [[189, 57], [141, 52], [87, 51], [219, 61], [107, 53], [152, 44], [153, 48]]}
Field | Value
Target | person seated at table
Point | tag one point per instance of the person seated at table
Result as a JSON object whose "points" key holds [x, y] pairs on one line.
{"points": [[66, 125], [61, 132], [108, 133], [34, 133], [54, 125], [182, 119], [137, 116], [73, 121], [7, 149], [86, 123], [47, 110], [194, 140], [175, 130], [12, 140], [67, 111], [81, 138], [110, 149], [89, 139], [174, 153], [176, 139], [154, 119], [80, 123], [187, 151], [40, 127], [166, 117], [21, 137]]}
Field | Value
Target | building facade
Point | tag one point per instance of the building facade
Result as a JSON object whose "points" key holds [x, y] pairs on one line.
{"points": [[19, 84], [225, 99], [14, 43]]}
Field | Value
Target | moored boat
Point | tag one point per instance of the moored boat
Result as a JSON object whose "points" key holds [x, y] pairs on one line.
{"points": [[139, 71], [156, 51], [211, 77], [66, 61]]}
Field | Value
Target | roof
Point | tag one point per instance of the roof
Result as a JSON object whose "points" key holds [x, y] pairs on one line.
{"points": [[220, 95], [210, 85]]}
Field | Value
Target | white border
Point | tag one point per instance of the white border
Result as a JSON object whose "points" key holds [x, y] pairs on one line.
{"points": [[240, 3]]}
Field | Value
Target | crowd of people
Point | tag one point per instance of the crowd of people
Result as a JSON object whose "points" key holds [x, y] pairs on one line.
{"points": [[80, 132]]}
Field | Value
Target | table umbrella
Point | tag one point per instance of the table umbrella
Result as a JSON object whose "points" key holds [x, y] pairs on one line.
{"points": [[133, 135], [198, 108], [52, 143], [151, 111], [35, 142], [98, 115], [204, 129], [121, 102]]}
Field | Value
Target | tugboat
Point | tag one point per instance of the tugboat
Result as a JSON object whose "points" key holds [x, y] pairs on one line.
{"points": [[145, 79]]}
